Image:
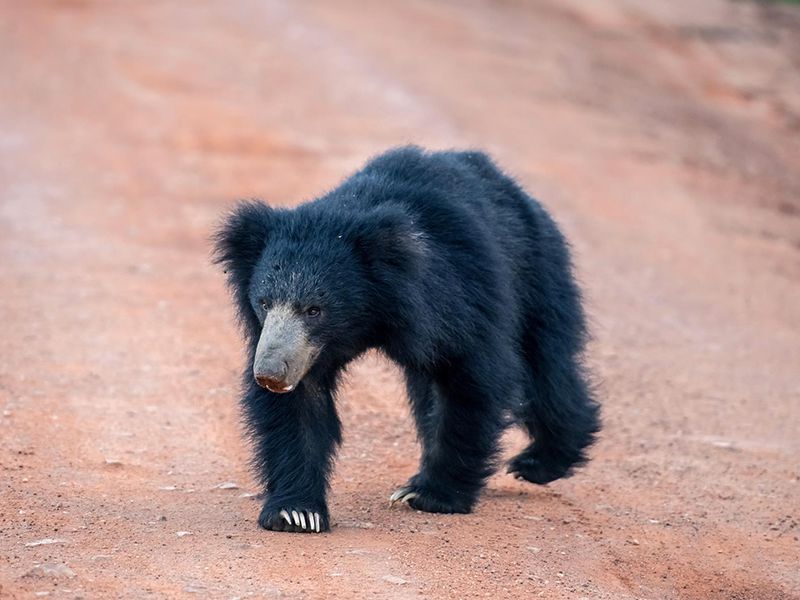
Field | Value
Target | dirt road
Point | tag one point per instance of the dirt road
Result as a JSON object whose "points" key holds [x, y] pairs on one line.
{"points": [[664, 136]]}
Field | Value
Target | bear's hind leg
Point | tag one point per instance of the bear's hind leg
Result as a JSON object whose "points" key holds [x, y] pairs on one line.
{"points": [[560, 415], [459, 421]]}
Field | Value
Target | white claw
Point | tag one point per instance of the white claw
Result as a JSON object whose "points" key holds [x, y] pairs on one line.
{"points": [[316, 522], [302, 520], [397, 495], [404, 494], [285, 516], [295, 517], [408, 497]]}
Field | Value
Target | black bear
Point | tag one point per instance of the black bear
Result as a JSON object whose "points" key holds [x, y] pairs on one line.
{"points": [[449, 268]]}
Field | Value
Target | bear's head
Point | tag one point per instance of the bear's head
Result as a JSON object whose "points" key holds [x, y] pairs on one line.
{"points": [[314, 288]]}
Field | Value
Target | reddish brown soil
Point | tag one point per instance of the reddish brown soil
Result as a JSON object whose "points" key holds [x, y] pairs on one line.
{"points": [[665, 136]]}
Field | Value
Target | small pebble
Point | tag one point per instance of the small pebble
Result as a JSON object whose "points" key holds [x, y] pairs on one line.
{"points": [[45, 542], [228, 485], [50, 570]]}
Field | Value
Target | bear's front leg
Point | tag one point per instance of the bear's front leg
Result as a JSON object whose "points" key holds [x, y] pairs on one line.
{"points": [[296, 435]]}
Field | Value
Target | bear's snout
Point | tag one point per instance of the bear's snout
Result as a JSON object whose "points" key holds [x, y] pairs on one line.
{"points": [[284, 353]]}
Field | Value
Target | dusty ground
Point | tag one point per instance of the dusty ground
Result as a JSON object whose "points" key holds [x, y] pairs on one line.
{"points": [[665, 136]]}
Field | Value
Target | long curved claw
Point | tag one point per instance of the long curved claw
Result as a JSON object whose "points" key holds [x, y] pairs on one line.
{"points": [[403, 494]]}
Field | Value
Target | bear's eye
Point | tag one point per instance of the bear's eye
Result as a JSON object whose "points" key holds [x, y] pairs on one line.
{"points": [[264, 304], [313, 311]]}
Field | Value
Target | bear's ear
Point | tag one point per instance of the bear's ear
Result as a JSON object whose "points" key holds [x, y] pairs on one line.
{"points": [[238, 243], [389, 242]]}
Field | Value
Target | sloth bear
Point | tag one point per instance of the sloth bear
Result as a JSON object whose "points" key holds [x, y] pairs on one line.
{"points": [[448, 267]]}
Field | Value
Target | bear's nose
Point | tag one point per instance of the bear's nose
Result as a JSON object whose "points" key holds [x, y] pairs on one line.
{"points": [[273, 376]]}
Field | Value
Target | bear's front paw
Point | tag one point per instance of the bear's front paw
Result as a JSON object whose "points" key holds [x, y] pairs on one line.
{"points": [[294, 519], [427, 499]]}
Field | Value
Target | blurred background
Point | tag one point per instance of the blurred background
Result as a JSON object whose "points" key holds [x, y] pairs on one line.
{"points": [[664, 137]]}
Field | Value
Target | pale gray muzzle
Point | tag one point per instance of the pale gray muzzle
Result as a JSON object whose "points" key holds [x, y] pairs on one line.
{"points": [[284, 353]]}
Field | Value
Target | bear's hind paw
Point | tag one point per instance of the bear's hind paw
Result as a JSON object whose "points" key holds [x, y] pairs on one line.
{"points": [[536, 468], [426, 500]]}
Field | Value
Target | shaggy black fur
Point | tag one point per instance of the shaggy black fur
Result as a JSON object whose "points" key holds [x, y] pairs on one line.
{"points": [[446, 265]]}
